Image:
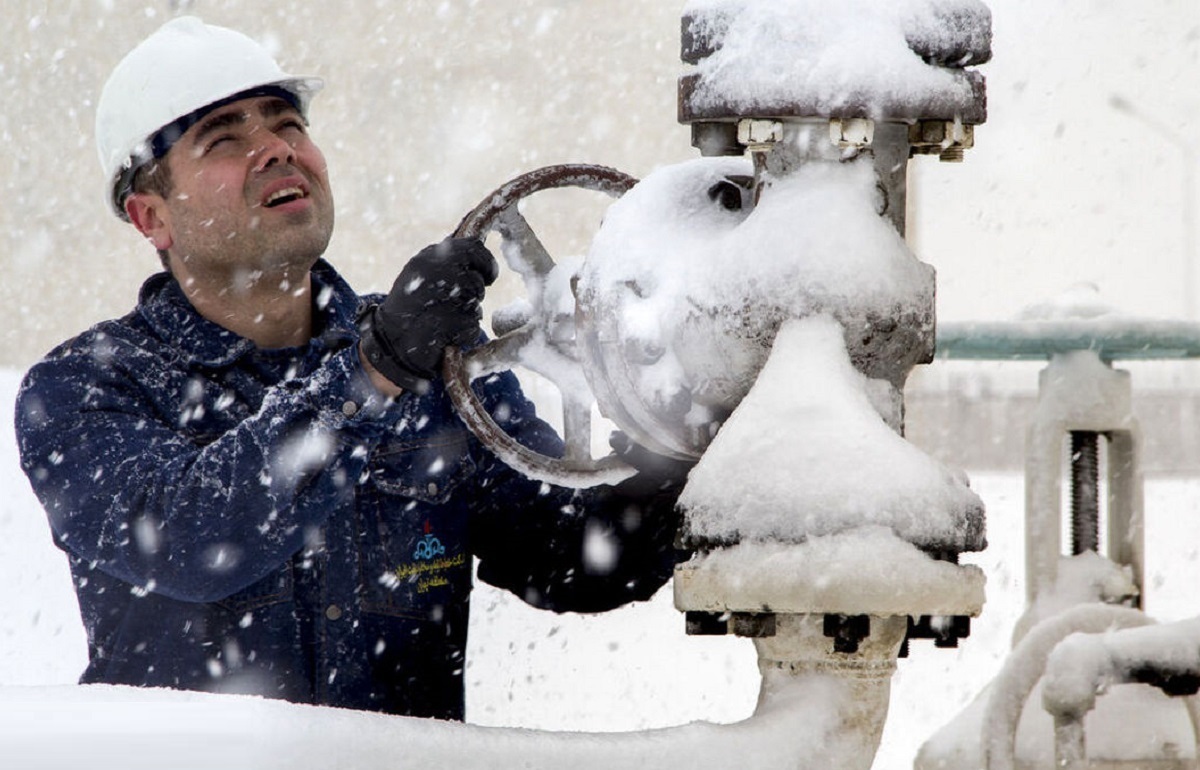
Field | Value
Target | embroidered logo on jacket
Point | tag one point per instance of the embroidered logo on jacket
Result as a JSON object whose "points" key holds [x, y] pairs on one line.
{"points": [[429, 547], [430, 564]]}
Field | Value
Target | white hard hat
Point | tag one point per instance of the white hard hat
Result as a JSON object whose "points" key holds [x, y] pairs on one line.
{"points": [[177, 74]]}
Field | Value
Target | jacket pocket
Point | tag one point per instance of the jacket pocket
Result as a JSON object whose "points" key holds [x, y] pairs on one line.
{"points": [[412, 541], [428, 472]]}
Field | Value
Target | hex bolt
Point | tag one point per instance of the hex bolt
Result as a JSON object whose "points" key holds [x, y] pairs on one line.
{"points": [[852, 132], [847, 631], [701, 623], [759, 135], [752, 624]]}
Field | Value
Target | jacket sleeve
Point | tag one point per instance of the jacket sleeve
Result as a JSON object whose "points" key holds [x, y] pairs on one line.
{"points": [[125, 489], [564, 549]]}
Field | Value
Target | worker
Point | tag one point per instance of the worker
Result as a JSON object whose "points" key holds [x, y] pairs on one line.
{"points": [[256, 474]]}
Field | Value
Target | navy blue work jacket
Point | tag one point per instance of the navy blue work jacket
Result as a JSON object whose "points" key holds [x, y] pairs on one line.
{"points": [[262, 521]]}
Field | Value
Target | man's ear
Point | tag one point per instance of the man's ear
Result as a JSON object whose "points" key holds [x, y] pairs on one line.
{"points": [[148, 214]]}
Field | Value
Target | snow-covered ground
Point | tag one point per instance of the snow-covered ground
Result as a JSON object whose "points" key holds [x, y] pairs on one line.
{"points": [[627, 670]]}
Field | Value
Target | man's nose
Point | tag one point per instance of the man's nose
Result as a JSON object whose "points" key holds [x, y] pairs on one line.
{"points": [[274, 149]]}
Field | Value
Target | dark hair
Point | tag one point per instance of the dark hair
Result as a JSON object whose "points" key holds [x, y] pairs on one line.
{"points": [[152, 177]]}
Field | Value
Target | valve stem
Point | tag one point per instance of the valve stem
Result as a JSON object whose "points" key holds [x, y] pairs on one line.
{"points": [[1085, 491]]}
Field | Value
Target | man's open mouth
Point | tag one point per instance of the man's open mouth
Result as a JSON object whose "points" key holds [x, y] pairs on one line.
{"points": [[286, 195]]}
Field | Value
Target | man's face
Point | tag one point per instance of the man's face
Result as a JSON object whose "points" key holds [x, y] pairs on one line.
{"points": [[250, 193]]}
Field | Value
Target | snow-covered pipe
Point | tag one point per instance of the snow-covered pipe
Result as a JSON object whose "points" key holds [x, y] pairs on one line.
{"points": [[795, 725], [1023, 669], [860, 683], [1085, 665], [811, 714], [868, 577]]}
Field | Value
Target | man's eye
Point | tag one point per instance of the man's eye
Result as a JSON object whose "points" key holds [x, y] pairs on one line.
{"points": [[217, 142]]}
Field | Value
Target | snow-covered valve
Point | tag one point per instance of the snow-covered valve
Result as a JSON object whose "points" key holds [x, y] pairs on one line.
{"points": [[819, 530], [830, 101], [762, 314]]}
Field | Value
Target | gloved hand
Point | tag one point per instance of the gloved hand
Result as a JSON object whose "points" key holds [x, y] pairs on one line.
{"points": [[434, 303], [648, 501], [657, 476]]}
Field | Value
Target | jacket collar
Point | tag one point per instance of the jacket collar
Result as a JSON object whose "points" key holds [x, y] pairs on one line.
{"points": [[161, 302]]}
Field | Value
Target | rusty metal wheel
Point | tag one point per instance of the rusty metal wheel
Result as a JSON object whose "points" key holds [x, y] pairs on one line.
{"points": [[542, 328]]}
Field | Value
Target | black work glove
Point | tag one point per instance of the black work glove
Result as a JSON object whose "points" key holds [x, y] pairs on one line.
{"points": [[543, 555], [652, 496], [434, 303], [658, 477]]}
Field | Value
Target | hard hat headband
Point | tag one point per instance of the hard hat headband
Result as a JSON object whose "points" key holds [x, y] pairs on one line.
{"points": [[168, 135]]}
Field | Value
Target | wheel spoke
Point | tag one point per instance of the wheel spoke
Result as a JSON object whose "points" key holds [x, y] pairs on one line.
{"points": [[523, 250], [577, 427], [498, 355]]}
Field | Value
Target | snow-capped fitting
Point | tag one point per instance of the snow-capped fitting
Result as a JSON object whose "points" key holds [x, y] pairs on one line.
{"points": [[905, 62], [184, 67]]}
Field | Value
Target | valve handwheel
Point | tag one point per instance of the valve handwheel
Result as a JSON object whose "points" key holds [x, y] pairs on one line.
{"points": [[556, 358]]}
